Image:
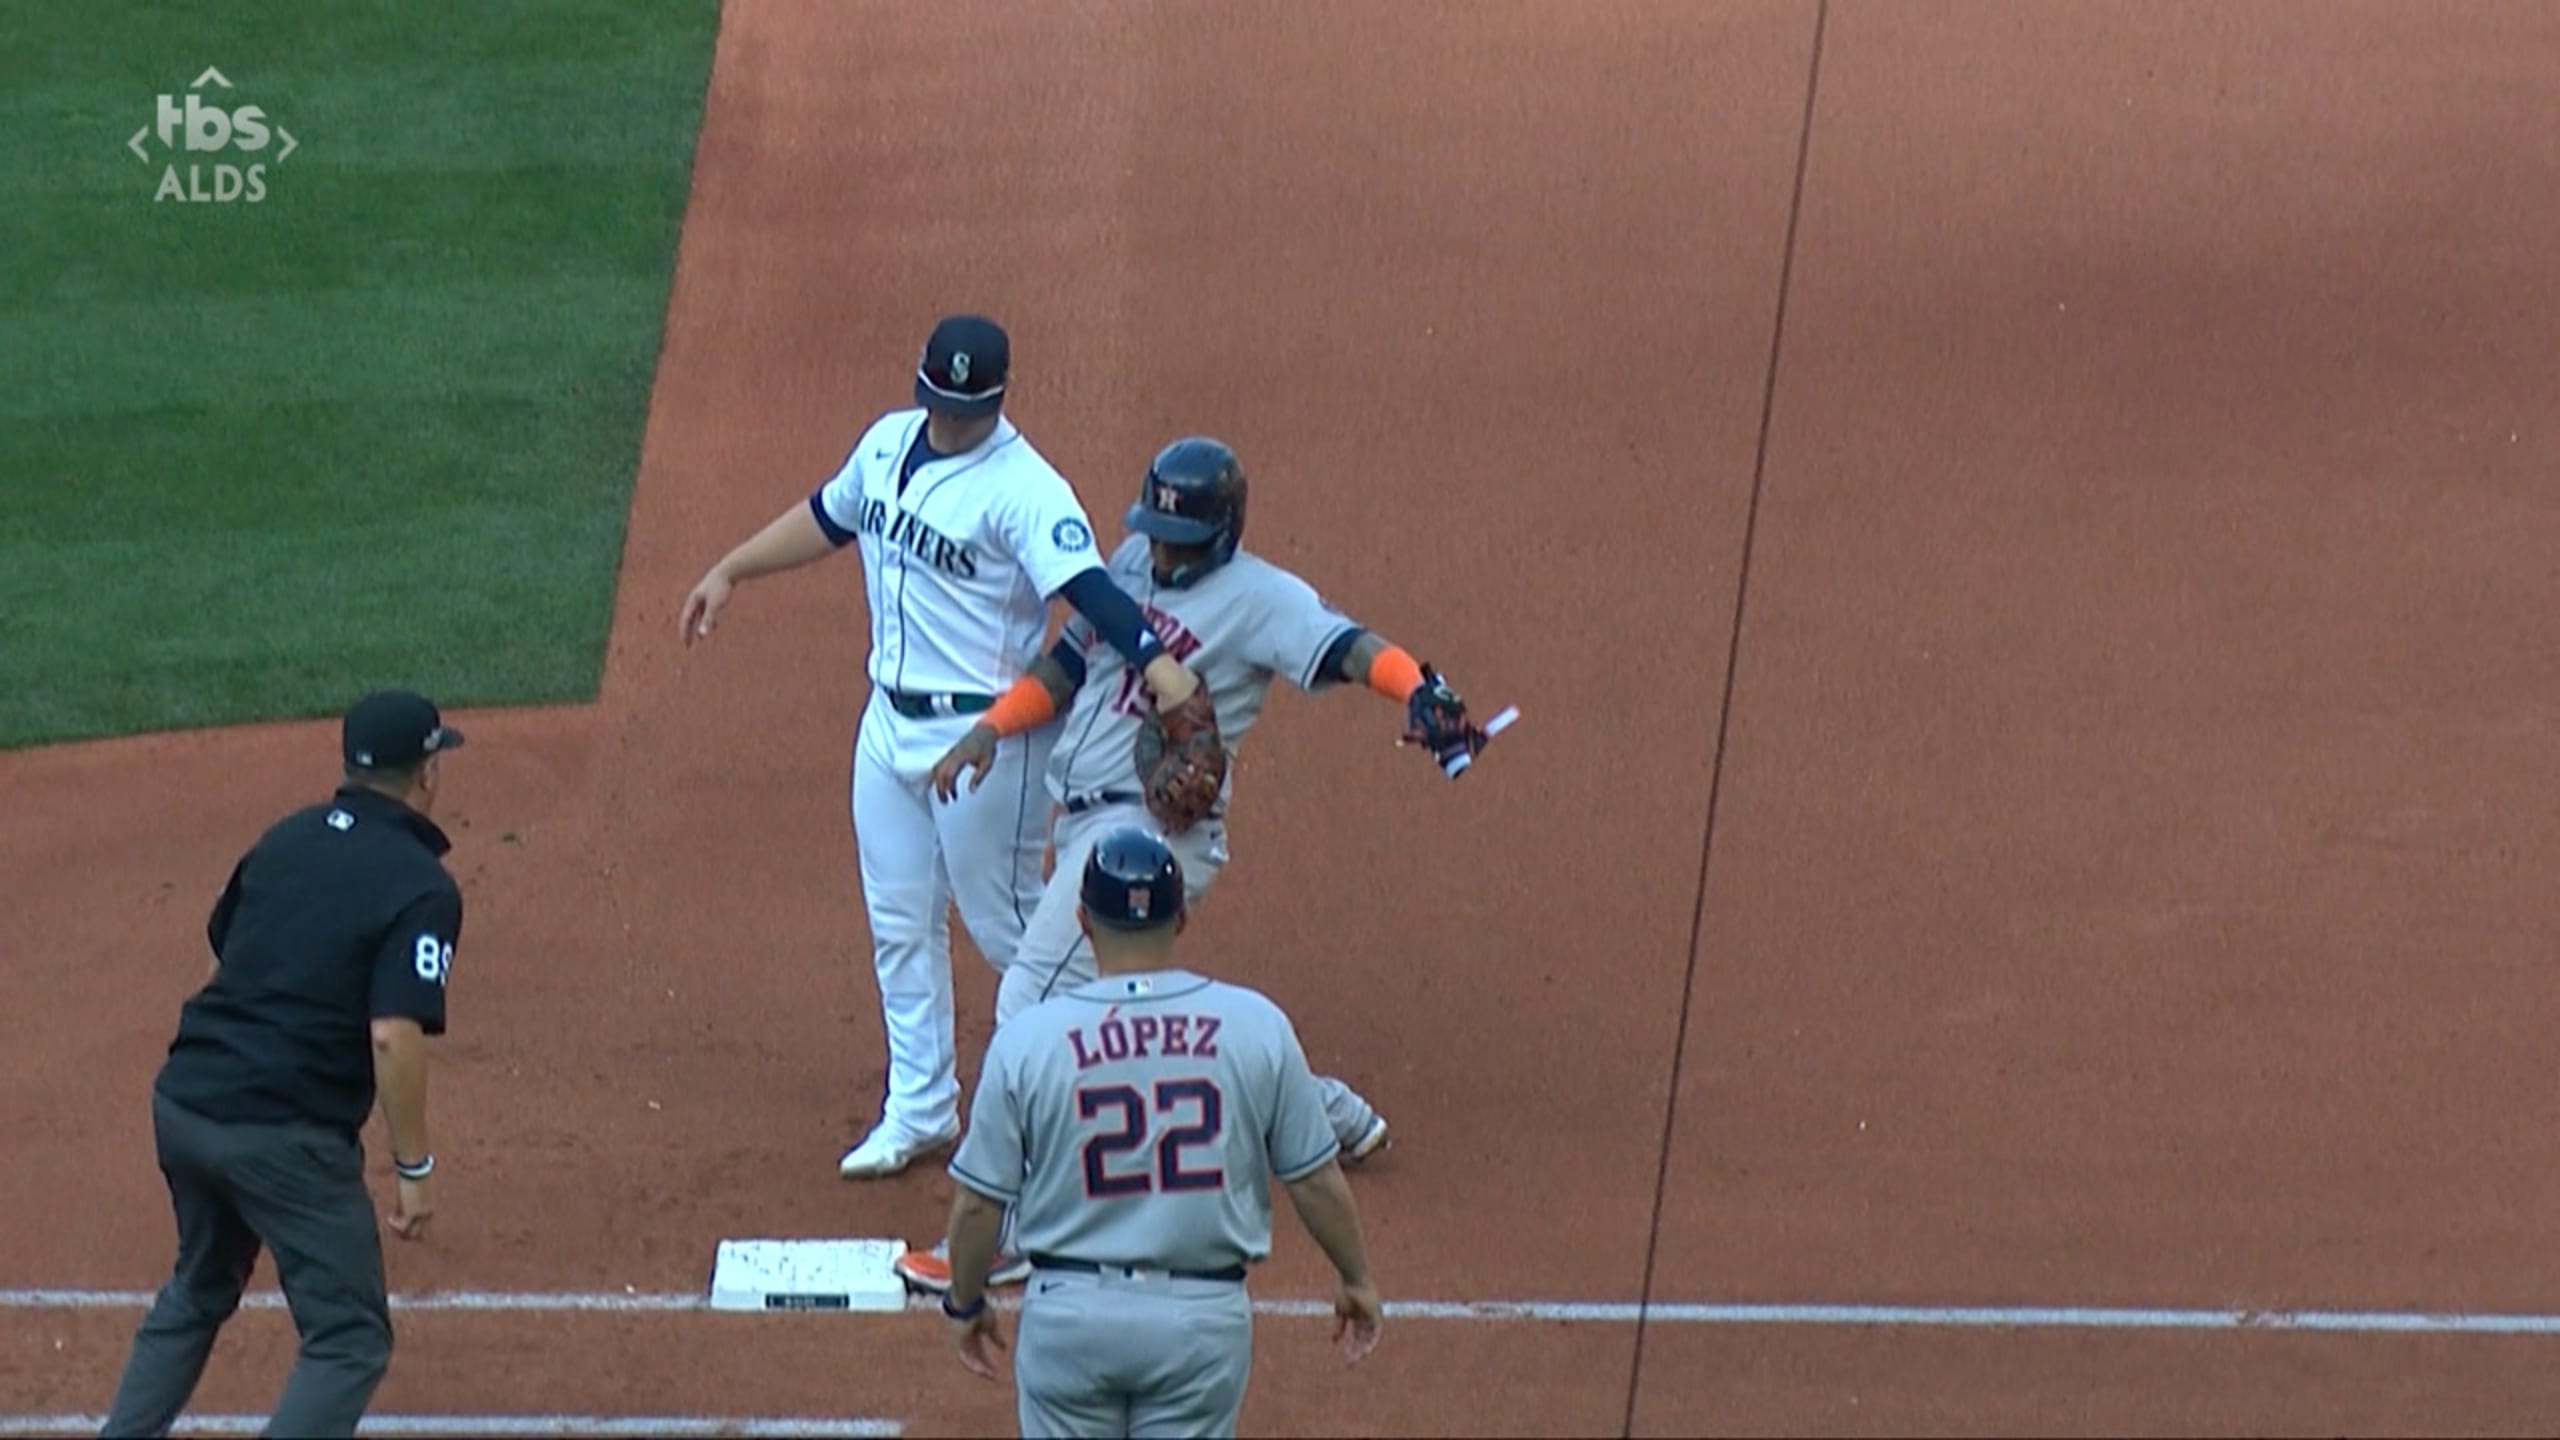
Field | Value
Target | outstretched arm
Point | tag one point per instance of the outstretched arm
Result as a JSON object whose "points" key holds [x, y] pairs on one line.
{"points": [[1365, 657], [1435, 717], [792, 539]]}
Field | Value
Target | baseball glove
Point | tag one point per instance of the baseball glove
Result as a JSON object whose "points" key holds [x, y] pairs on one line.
{"points": [[1436, 719], [1182, 762]]}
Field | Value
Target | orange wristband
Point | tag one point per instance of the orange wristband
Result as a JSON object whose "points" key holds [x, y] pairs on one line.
{"points": [[1026, 705], [1394, 674]]}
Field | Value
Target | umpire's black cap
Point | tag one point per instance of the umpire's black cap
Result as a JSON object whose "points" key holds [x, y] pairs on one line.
{"points": [[393, 730], [1132, 882], [963, 368]]}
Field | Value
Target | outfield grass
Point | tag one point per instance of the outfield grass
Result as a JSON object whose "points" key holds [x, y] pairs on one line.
{"points": [[378, 428]]}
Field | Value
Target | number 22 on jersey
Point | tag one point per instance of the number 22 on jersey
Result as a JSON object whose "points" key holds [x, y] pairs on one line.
{"points": [[1196, 1113]]}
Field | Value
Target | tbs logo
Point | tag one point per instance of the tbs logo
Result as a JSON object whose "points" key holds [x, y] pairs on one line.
{"points": [[190, 125]]}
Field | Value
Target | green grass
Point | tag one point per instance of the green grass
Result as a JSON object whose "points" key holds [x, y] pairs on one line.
{"points": [[378, 428]]}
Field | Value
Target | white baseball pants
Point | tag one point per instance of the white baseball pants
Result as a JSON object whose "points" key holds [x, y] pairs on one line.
{"points": [[918, 856]]}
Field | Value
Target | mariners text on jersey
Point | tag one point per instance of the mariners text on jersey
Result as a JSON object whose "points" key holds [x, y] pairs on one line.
{"points": [[901, 530], [960, 553]]}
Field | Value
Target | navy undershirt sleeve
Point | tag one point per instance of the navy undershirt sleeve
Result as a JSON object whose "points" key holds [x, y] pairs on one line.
{"points": [[837, 535], [1068, 656], [1330, 667], [1113, 615]]}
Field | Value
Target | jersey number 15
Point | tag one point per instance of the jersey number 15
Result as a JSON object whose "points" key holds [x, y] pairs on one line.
{"points": [[1196, 1103]]}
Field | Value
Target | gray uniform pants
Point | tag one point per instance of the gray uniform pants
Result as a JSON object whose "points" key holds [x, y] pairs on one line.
{"points": [[1107, 1355], [298, 1191]]}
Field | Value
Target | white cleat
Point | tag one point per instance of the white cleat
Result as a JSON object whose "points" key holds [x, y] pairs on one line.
{"points": [[888, 1150], [1371, 1141]]}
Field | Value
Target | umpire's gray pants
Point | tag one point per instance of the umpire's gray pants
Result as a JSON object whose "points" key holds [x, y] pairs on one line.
{"points": [[1107, 1355], [298, 1190]]}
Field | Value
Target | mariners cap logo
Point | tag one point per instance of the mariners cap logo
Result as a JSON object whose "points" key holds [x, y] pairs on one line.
{"points": [[960, 368]]}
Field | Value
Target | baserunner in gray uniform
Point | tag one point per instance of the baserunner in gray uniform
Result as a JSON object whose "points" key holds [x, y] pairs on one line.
{"points": [[1134, 1124], [1241, 623]]}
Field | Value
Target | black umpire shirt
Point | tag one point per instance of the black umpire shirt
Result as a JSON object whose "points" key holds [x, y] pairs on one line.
{"points": [[342, 913]]}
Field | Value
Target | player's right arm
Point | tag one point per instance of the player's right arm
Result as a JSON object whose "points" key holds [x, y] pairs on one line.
{"points": [[808, 531], [1039, 696]]}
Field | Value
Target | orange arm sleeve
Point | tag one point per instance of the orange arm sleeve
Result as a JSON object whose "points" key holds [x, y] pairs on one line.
{"points": [[1394, 674], [1026, 705]]}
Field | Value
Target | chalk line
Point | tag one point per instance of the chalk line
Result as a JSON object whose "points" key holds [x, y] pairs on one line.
{"points": [[827, 1428], [1562, 1312]]}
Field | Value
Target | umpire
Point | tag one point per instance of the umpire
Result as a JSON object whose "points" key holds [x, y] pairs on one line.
{"points": [[331, 947]]}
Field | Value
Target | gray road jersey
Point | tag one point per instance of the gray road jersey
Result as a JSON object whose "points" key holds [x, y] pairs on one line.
{"points": [[1240, 627], [1140, 1120]]}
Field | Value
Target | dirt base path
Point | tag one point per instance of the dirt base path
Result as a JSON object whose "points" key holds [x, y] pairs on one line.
{"points": [[2138, 637]]}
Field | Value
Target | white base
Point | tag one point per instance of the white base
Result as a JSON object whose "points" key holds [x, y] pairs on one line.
{"points": [[808, 1275]]}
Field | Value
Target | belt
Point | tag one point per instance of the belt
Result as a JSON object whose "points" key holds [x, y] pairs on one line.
{"points": [[918, 706], [1097, 799], [1100, 799], [1233, 1274]]}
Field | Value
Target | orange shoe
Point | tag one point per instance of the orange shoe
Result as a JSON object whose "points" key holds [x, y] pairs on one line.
{"points": [[930, 1270]]}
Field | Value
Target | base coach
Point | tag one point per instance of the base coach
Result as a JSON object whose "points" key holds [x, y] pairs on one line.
{"points": [[331, 947]]}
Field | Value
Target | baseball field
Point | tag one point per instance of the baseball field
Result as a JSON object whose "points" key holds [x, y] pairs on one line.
{"points": [[2023, 535]]}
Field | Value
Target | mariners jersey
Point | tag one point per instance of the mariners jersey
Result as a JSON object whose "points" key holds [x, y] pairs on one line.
{"points": [[1239, 627], [960, 553], [1140, 1120]]}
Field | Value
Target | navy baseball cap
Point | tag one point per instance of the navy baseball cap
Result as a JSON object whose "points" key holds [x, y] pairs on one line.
{"points": [[1131, 881], [963, 368], [393, 730]]}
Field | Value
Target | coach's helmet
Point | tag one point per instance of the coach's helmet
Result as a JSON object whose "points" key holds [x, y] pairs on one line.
{"points": [[1132, 882], [1194, 495]]}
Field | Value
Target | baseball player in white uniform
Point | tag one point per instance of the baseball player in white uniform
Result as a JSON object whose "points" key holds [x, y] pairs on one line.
{"points": [[966, 533], [1133, 1124], [1241, 622]]}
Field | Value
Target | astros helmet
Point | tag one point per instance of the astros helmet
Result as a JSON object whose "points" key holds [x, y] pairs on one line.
{"points": [[1194, 495], [1131, 882]]}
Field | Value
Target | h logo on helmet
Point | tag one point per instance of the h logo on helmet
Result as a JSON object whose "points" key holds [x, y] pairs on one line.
{"points": [[1168, 498]]}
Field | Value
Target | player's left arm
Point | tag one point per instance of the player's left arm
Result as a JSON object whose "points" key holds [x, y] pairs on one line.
{"points": [[1436, 716], [1306, 638], [1365, 657]]}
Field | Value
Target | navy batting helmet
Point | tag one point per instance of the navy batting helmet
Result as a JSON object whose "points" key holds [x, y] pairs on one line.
{"points": [[1132, 881], [1194, 495]]}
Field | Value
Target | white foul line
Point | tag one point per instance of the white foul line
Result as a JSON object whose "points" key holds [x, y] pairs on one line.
{"points": [[621, 1425], [1569, 1312]]}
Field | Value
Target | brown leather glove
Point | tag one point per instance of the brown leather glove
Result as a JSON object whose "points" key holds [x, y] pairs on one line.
{"points": [[1182, 762]]}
